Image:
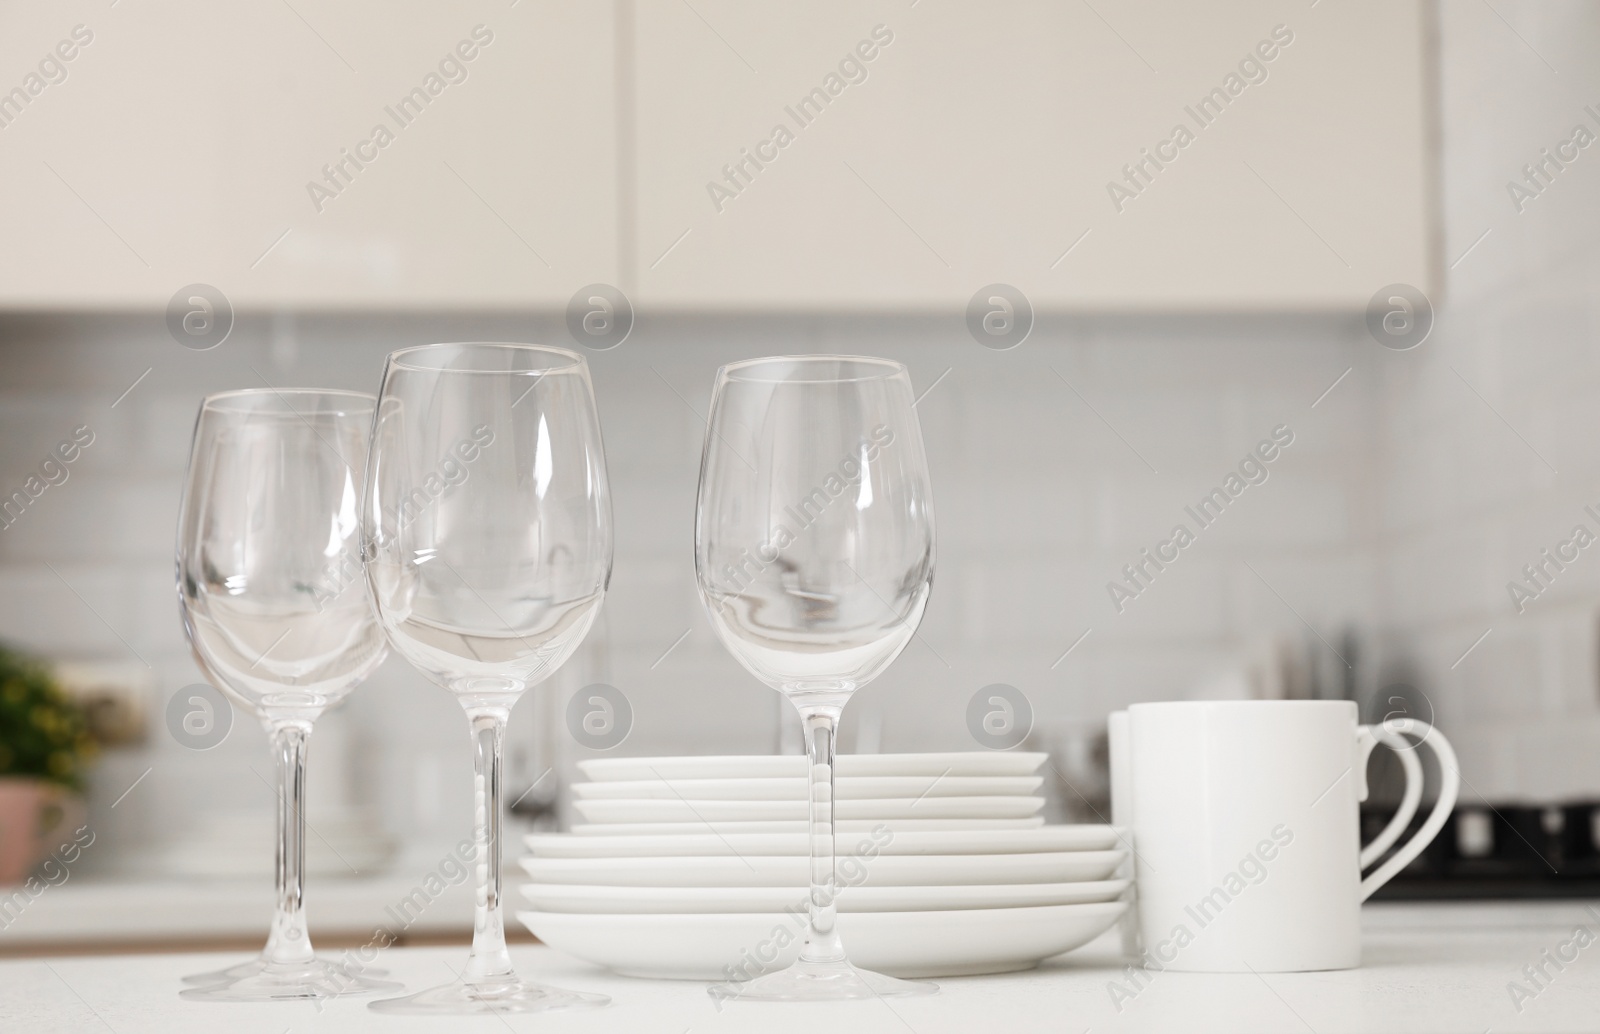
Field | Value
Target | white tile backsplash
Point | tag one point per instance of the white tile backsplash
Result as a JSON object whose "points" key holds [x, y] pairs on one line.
{"points": [[1040, 502]]}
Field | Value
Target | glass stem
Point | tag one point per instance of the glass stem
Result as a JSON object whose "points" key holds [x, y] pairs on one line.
{"points": [[489, 959], [289, 942], [822, 937]]}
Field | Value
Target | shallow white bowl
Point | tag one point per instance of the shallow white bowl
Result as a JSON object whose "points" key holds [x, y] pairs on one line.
{"points": [[572, 897], [960, 942], [681, 810], [694, 841], [795, 788], [906, 870], [769, 766]]}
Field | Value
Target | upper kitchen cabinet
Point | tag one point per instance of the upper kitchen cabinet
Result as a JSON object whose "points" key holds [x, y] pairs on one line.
{"points": [[1099, 156], [714, 154], [313, 154]]}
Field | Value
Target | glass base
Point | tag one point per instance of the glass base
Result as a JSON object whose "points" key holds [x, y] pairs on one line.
{"points": [[262, 981], [218, 976], [821, 982], [508, 995], [250, 968]]}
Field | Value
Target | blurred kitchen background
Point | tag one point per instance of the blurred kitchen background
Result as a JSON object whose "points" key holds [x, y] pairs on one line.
{"points": [[1176, 322]]}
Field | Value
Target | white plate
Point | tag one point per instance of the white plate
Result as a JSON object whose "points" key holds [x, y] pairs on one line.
{"points": [[964, 942], [693, 842], [589, 829], [676, 810], [906, 870], [573, 897], [769, 766], [845, 788]]}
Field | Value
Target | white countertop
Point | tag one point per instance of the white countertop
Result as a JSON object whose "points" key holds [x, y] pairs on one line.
{"points": [[1437, 967], [83, 912]]}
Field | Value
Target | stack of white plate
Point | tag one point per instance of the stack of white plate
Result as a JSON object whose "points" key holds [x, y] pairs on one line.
{"points": [[696, 867]]}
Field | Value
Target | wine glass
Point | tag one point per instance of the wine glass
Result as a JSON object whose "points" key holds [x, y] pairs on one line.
{"points": [[487, 530], [814, 556], [273, 601]]}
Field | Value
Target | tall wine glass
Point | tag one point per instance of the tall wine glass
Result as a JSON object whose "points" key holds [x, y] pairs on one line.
{"points": [[270, 587], [487, 523], [814, 556]]}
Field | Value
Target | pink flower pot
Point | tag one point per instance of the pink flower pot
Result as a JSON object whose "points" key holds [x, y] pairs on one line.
{"points": [[36, 817]]}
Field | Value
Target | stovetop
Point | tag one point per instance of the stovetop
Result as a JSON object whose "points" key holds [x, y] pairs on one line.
{"points": [[1499, 851]]}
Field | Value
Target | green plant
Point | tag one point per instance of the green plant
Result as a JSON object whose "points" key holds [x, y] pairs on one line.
{"points": [[42, 732]]}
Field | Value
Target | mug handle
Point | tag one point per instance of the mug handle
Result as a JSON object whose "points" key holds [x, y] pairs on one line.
{"points": [[1408, 802], [1368, 737]]}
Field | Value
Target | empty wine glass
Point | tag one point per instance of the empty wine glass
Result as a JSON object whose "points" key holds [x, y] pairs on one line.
{"points": [[270, 587], [487, 526], [814, 556]]}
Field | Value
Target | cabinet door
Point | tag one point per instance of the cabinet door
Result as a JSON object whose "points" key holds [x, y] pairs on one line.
{"points": [[798, 156], [309, 154], [777, 165]]}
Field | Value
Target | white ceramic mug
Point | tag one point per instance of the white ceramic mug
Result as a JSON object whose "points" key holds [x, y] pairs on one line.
{"points": [[1246, 838]]}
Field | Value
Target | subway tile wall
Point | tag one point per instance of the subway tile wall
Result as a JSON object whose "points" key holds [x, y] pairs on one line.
{"points": [[1053, 466]]}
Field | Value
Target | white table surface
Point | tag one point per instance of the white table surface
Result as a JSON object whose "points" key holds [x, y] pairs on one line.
{"points": [[1427, 968], [86, 911]]}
